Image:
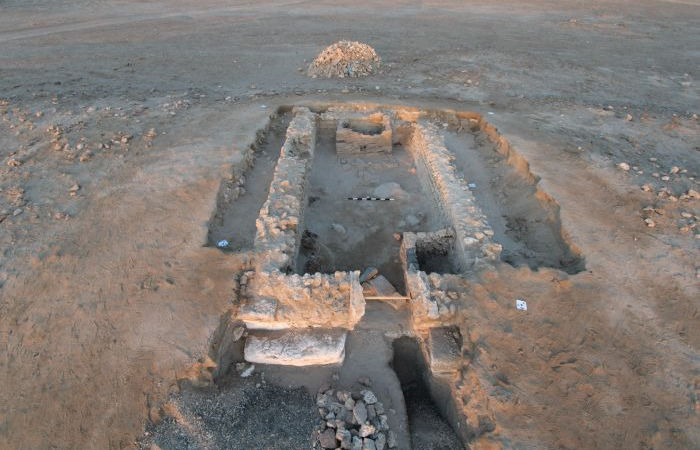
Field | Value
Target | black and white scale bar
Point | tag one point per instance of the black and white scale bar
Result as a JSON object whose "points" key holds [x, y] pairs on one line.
{"points": [[376, 199]]}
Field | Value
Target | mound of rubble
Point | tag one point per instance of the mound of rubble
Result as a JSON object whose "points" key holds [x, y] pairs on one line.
{"points": [[345, 59], [352, 420]]}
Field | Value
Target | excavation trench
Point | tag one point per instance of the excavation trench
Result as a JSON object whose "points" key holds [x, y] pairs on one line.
{"points": [[241, 197], [414, 199], [429, 424]]}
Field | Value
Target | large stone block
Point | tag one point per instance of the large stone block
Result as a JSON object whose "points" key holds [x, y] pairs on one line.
{"points": [[296, 347], [444, 349]]}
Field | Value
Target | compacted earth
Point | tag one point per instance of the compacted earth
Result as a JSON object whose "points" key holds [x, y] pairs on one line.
{"points": [[125, 125]]}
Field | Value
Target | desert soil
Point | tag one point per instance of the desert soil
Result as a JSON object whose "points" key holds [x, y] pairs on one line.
{"points": [[121, 120]]}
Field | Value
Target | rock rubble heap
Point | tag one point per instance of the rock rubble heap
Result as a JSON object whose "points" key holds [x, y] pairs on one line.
{"points": [[345, 59], [352, 420]]}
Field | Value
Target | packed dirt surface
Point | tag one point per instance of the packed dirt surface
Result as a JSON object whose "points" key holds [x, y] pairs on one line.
{"points": [[124, 134]]}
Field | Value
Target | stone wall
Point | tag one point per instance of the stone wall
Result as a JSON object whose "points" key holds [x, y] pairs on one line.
{"points": [[274, 300], [473, 242], [277, 227], [430, 305]]}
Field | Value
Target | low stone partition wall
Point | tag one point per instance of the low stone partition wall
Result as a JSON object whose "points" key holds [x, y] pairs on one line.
{"points": [[473, 244], [430, 305], [277, 227], [274, 300]]}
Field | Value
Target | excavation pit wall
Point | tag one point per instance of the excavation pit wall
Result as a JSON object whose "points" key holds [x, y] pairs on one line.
{"points": [[433, 416]]}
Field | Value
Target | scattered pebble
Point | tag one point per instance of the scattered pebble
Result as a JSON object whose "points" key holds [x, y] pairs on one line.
{"points": [[12, 162], [623, 166]]}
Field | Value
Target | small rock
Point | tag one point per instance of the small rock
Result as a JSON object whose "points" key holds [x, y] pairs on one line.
{"points": [[368, 274], [344, 437], [693, 194], [686, 215], [665, 178], [17, 212], [623, 166], [380, 441], [12, 162], [391, 439], [74, 189], [675, 169], [248, 372], [369, 396], [379, 407], [650, 223], [383, 422], [367, 430], [397, 236], [350, 404], [365, 381], [371, 412], [368, 444], [327, 438], [629, 118], [338, 228], [647, 188], [378, 286], [343, 396], [359, 412], [356, 443], [238, 333]]}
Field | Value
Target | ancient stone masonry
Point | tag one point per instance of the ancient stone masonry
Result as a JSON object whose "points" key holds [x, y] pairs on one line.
{"points": [[473, 244], [298, 319], [277, 236], [363, 135], [297, 316], [274, 300], [430, 306]]}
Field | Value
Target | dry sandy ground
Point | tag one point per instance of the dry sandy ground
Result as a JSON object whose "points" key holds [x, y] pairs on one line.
{"points": [[108, 294]]}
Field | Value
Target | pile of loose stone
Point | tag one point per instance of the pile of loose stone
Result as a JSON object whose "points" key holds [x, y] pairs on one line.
{"points": [[345, 59], [353, 420]]}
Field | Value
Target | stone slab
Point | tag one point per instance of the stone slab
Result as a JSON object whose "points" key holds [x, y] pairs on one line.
{"points": [[296, 347], [444, 349]]}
